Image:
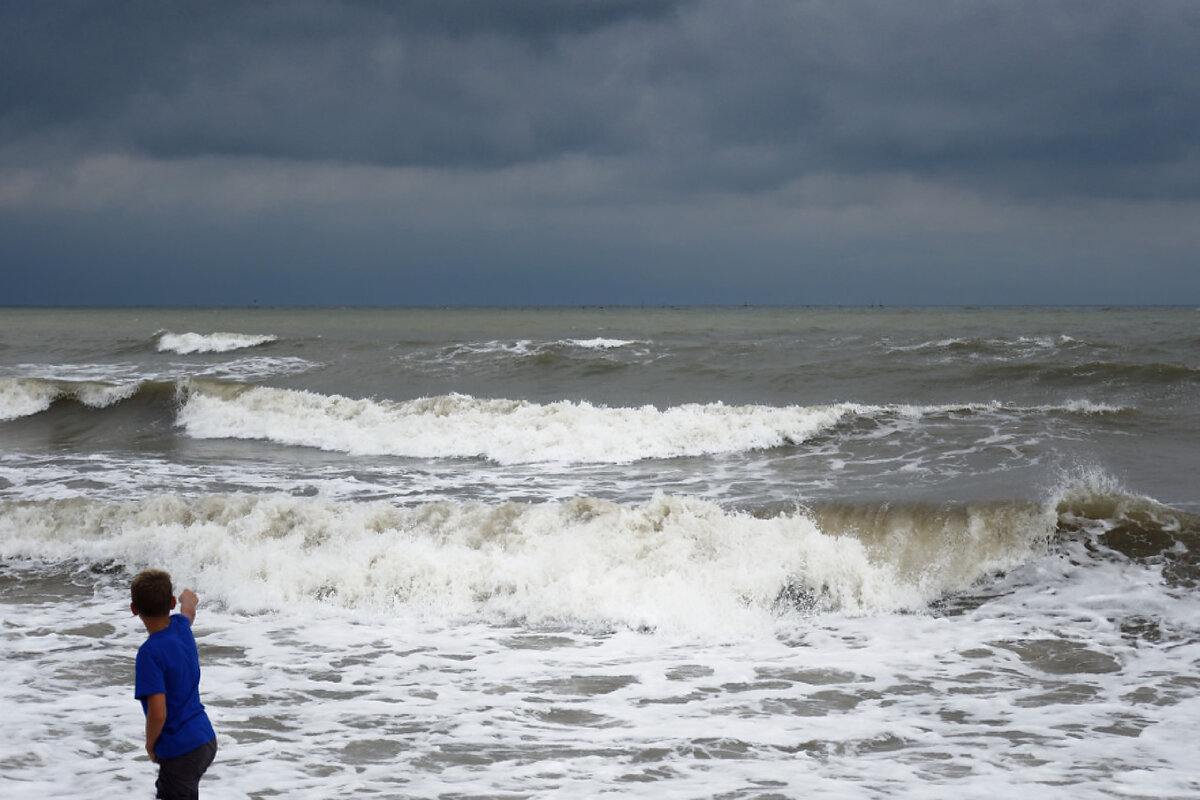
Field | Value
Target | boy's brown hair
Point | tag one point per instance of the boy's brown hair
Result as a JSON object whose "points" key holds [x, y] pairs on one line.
{"points": [[151, 593]]}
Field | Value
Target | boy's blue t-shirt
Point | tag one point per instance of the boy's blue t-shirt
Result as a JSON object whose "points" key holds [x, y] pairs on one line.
{"points": [[167, 663]]}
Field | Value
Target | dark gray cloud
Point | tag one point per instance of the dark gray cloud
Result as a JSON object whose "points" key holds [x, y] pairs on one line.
{"points": [[813, 149], [430, 83], [1045, 97]]}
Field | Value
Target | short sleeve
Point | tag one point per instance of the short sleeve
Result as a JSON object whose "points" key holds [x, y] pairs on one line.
{"points": [[148, 677]]}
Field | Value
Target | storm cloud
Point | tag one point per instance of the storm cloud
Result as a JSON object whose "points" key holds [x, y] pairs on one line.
{"points": [[586, 151]]}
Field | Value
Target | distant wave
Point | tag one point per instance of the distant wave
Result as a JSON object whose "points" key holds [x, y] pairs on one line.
{"points": [[31, 395], [256, 368], [23, 397], [100, 386], [553, 352], [189, 343], [503, 431], [1084, 407], [601, 343], [497, 430], [1021, 347], [520, 432], [1094, 373]]}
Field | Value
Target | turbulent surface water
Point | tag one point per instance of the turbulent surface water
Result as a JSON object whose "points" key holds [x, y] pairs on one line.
{"points": [[740, 553]]}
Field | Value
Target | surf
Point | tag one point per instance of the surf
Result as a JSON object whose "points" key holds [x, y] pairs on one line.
{"points": [[498, 430], [25, 397], [509, 432], [190, 343], [673, 562]]}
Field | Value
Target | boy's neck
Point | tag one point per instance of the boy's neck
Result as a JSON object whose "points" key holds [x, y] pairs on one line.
{"points": [[156, 624]]}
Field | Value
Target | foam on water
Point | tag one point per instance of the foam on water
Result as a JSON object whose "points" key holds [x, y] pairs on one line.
{"points": [[188, 343], [602, 343], [1040, 691], [519, 432], [79, 372], [37, 387], [500, 356], [503, 431], [26, 397], [673, 563], [991, 348], [253, 369]]}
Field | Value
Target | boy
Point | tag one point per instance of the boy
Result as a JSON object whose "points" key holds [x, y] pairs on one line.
{"points": [[179, 736]]}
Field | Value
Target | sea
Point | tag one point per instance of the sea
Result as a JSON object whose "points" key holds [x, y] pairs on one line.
{"points": [[735, 553]]}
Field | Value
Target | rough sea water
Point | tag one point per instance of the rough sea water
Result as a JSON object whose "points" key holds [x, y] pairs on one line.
{"points": [[650, 553]]}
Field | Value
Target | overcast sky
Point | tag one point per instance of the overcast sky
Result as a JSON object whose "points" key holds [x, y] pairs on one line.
{"points": [[599, 152]]}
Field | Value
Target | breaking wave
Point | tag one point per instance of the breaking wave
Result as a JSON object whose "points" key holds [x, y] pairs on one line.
{"points": [[503, 431], [24, 397], [673, 562], [516, 432], [190, 343], [496, 430]]}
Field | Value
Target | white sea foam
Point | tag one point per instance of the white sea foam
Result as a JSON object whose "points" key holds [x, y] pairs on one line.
{"points": [[189, 343], [254, 369], [601, 343], [455, 352], [939, 344], [910, 707], [98, 395], [673, 563], [36, 387], [118, 372], [523, 348], [1080, 406], [23, 397], [503, 431], [353, 685], [520, 432], [123, 374], [1089, 407], [999, 349]]}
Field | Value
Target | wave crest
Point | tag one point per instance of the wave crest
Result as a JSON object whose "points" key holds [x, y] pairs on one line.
{"points": [[189, 343], [503, 431], [24, 397], [670, 563]]}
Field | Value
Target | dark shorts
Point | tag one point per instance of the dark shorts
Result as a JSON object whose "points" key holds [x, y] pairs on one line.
{"points": [[179, 778]]}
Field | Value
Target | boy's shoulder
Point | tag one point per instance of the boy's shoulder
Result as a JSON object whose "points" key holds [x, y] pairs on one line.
{"points": [[179, 627]]}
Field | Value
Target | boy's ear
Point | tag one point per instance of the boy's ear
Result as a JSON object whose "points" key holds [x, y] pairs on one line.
{"points": [[133, 608], [172, 603]]}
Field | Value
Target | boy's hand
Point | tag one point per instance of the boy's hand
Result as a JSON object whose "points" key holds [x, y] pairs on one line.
{"points": [[187, 604]]}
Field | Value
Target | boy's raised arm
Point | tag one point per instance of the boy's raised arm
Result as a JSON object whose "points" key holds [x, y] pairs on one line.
{"points": [[187, 604]]}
